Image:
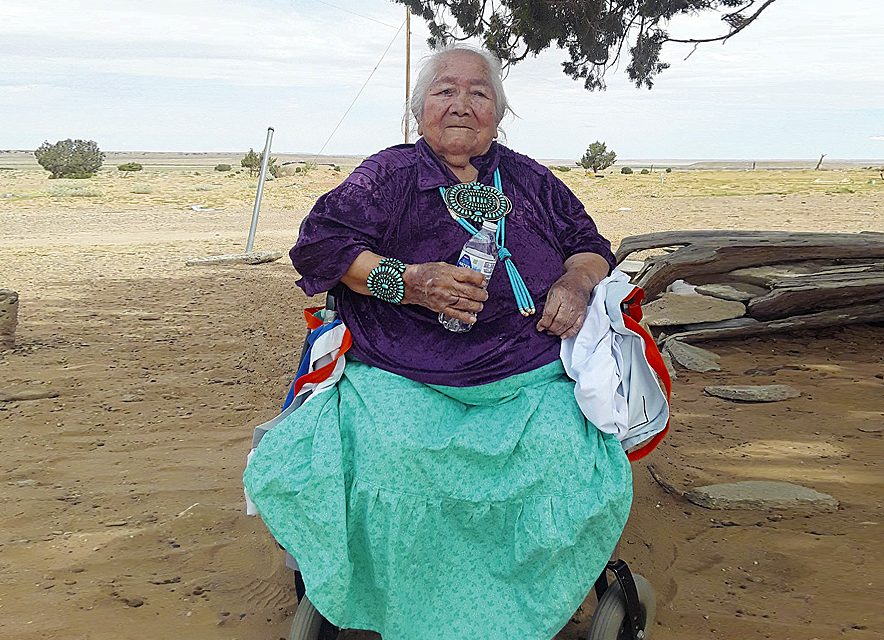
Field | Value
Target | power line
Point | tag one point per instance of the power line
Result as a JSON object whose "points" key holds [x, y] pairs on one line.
{"points": [[334, 6], [361, 89]]}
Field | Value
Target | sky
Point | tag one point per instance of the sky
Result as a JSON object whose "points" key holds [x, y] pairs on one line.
{"points": [[211, 75]]}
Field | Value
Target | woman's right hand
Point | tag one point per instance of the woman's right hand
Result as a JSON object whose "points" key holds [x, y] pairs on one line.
{"points": [[444, 288]]}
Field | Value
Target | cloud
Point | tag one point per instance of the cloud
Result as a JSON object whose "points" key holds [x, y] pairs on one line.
{"points": [[878, 138]]}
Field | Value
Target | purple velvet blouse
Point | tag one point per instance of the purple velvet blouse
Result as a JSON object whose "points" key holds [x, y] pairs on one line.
{"points": [[391, 205]]}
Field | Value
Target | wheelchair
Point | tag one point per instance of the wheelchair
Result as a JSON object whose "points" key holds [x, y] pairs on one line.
{"points": [[626, 606]]}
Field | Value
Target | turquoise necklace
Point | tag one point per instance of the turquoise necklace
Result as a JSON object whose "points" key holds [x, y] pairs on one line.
{"points": [[474, 202]]}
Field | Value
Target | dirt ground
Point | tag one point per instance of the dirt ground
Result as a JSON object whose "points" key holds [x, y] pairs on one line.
{"points": [[121, 500]]}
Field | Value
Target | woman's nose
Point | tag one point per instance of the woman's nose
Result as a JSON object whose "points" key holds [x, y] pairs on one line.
{"points": [[460, 105]]}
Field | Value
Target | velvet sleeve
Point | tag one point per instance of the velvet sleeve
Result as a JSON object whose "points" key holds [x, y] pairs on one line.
{"points": [[342, 224], [575, 230]]}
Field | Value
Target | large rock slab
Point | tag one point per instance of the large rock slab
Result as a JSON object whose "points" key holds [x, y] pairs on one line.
{"points": [[14, 395], [691, 357], [753, 393], [673, 309], [761, 494], [8, 318], [734, 291]]}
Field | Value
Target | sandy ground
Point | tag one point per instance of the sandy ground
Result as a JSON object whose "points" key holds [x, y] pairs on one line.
{"points": [[121, 501]]}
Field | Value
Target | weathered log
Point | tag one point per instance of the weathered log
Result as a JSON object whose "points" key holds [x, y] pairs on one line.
{"points": [[645, 241], [661, 239], [815, 292], [735, 253], [768, 275], [857, 314]]}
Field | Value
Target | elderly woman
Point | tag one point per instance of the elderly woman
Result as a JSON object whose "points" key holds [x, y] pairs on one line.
{"points": [[449, 486]]}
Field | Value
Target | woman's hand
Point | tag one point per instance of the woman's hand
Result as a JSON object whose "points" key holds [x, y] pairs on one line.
{"points": [[566, 302], [444, 288]]}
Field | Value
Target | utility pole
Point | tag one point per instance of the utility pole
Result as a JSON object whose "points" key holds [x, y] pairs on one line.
{"points": [[406, 121]]}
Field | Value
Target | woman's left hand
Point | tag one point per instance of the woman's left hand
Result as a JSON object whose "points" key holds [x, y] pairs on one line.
{"points": [[565, 308], [566, 302]]}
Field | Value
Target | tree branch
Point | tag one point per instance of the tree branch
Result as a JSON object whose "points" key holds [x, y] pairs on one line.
{"points": [[733, 32]]}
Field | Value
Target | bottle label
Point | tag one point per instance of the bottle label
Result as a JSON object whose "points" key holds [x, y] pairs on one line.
{"points": [[482, 263]]}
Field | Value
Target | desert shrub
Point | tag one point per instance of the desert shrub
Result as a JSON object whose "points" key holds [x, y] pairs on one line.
{"points": [[337, 168], [626, 170], [70, 158], [222, 167], [668, 169], [251, 161], [129, 167], [141, 190], [297, 169], [562, 168], [597, 157], [645, 172]]}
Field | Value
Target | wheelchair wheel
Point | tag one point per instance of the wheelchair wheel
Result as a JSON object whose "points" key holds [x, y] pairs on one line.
{"points": [[609, 621], [308, 624]]}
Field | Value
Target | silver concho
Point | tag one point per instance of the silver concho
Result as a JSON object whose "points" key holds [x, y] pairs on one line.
{"points": [[477, 202]]}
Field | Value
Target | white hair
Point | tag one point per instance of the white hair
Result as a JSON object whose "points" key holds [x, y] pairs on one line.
{"points": [[429, 70]]}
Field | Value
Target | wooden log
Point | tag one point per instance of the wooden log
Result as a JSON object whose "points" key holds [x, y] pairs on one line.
{"points": [[735, 253], [661, 239], [645, 241], [815, 292], [768, 275], [857, 314]]}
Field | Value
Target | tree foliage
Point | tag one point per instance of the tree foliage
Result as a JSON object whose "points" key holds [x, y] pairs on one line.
{"points": [[594, 33], [272, 167], [70, 158], [251, 161], [597, 157]]}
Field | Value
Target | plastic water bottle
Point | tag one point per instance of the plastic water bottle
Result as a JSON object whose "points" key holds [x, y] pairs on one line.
{"points": [[478, 254]]}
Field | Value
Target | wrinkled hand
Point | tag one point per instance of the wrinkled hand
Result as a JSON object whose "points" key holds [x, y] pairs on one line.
{"points": [[444, 288], [565, 308]]}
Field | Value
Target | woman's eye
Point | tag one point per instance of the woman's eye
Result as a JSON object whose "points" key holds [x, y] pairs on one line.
{"points": [[481, 94]]}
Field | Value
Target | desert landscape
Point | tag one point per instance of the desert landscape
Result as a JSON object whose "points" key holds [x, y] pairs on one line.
{"points": [[121, 480]]}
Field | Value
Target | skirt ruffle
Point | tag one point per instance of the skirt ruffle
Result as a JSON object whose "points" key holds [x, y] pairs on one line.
{"points": [[444, 513]]}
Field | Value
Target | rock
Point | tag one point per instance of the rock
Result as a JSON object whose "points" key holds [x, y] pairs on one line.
{"points": [[753, 393], [631, 267], [682, 288], [8, 318], [691, 357], [256, 257], [27, 394], [724, 324], [673, 309], [760, 494], [667, 360], [735, 291], [115, 523], [130, 397], [876, 429]]}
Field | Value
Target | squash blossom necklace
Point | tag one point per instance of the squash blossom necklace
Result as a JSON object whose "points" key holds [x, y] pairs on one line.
{"points": [[474, 202]]}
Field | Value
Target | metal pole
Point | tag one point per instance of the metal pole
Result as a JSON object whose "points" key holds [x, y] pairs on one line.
{"points": [[407, 71], [265, 160]]}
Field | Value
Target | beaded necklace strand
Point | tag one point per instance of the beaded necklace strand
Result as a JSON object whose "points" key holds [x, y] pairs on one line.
{"points": [[473, 201]]}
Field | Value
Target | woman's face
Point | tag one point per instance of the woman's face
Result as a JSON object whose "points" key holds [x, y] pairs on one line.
{"points": [[460, 113]]}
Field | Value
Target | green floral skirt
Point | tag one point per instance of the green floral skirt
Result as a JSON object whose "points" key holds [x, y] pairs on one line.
{"points": [[427, 512]]}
